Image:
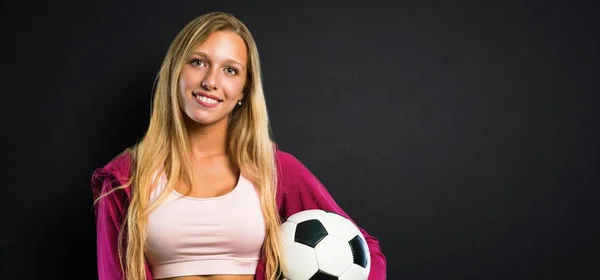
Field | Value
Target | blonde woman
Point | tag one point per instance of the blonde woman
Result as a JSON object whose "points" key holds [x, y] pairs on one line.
{"points": [[203, 194]]}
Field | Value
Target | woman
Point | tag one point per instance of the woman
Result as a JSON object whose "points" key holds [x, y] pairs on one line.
{"points": [[204, 192]]}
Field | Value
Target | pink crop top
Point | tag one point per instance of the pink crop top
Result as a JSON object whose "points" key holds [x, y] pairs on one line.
{"points": [[204, 236]]}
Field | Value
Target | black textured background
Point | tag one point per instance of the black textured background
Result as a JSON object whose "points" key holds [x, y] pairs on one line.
{"points": [[462, 134]]}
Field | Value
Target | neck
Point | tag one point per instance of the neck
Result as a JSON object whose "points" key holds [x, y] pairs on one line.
{"points": [[207, 140]]}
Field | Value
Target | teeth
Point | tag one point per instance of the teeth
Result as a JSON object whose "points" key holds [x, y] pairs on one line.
{"points": [[206, 99]]}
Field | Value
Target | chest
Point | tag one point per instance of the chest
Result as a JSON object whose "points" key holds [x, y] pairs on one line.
{"points": [[207, 227], [210, 180]]}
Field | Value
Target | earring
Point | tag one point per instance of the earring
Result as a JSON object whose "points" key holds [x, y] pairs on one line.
{"points": [[239, 102]]}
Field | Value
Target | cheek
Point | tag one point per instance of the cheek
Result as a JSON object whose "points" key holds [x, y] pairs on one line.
{"points": [[185, 81], [233, 89]]}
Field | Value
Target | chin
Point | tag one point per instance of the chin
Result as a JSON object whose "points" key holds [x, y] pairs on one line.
{"points": [[205, 119]]}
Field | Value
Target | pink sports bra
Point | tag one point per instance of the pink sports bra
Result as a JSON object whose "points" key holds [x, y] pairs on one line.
{"points": [[204, 236]]}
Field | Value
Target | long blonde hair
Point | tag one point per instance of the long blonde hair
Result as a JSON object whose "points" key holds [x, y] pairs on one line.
{"points": [[165, 146]]}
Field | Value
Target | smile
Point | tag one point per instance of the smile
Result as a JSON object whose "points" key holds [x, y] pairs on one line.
{"points": [[206, 101]]}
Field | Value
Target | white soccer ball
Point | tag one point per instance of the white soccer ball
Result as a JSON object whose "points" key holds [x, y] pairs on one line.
{"points": [[324, 245]]}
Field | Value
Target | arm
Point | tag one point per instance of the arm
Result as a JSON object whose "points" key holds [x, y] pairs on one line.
{"points": [[109, 213], [302, 191]]}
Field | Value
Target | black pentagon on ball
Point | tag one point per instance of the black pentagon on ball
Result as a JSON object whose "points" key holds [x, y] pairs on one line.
{"points": [[321, 275], [359, 251], [310, 233]]}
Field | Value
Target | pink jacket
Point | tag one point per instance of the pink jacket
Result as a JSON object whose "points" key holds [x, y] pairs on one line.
{"points": [[298, 190]]}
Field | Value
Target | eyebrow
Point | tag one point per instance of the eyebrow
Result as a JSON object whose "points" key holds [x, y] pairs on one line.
{"points": [[230, 61]]}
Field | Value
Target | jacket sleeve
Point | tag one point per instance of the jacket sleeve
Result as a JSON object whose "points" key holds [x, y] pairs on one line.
{"points": [[303, 191], [109, 212]]}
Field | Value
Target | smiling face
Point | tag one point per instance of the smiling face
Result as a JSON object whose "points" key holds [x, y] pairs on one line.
{"points": [[213, 77]]}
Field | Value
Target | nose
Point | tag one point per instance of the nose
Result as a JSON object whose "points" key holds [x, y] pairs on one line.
{"points": [[210, 80]]}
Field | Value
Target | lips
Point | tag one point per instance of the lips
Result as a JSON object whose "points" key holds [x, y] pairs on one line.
{"points": [[196, 94], [206, 101]]}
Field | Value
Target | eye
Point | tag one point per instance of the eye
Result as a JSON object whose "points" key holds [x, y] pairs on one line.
{"points": [[197, 62], [231, 71]]}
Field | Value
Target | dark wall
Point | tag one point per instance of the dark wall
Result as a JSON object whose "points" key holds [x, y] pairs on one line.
{"points": [[464, 136]]}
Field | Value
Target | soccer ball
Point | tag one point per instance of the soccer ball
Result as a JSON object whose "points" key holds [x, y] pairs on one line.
{"points": [[323, 245]]}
